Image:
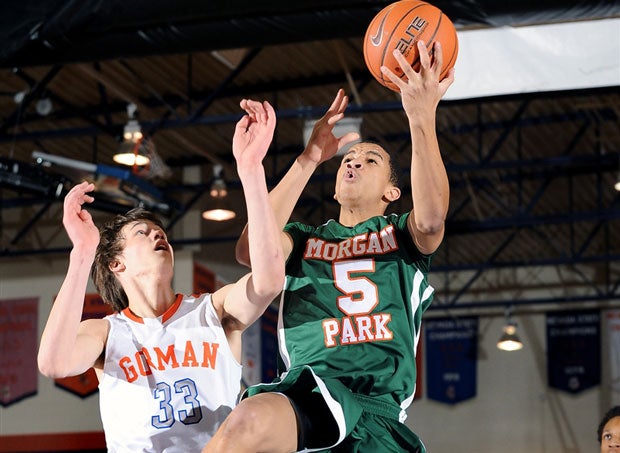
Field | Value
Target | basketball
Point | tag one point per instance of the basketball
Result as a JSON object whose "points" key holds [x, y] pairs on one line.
{"points": [[401, 25]]}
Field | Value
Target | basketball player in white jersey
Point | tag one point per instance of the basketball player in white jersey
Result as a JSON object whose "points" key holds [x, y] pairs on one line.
{"points": [[168, 364]]}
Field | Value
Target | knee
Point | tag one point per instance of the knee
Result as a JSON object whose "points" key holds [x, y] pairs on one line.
{"points": [[249, 421], [248, 418]]}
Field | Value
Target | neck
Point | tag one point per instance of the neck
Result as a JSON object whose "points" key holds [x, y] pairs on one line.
{"points": [[351, 216], [150, 300]]}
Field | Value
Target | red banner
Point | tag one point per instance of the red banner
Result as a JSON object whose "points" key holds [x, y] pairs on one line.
{"points": [[86, 383], [18, 349], [205, 280]]}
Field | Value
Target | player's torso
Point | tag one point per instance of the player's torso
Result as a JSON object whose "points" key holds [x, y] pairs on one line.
{"points": [[354, 302], [167, 383]]}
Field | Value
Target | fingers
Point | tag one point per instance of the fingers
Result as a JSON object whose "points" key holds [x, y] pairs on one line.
{"points": [[271, 113], [337, 102], [79, 194], [255, 110], [347, 138], [75, 199], [428, 66], [437, 57], [393, 77]]}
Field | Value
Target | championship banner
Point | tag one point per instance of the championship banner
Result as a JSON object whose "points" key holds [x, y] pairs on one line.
{"points": [[451, 358], [205, 280], [573, 350], [19, 321], [612, 319], [86, 384]]}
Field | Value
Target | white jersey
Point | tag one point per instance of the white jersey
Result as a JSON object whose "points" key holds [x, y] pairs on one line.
{"points": [[168, 382]]}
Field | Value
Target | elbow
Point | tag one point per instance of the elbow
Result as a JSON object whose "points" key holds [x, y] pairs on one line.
{"points": [[431, 227], [272, 285], [49, 368]]}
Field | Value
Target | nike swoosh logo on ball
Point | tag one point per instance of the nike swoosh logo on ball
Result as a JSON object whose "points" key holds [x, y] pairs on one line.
{"points": [[378, 37]]}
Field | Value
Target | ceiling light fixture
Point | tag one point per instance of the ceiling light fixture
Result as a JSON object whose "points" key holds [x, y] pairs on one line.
{"points": [[509, 341], [44, 106], [131, 152], [219, 210]]}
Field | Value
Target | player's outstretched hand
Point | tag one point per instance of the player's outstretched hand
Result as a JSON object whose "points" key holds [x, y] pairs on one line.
{"points": [[421, 90], [77, 221], [323, 144], [253, 132]]}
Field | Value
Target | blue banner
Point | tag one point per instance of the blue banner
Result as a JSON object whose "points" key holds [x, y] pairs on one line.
{"points": [[574, 350], [451, 358]]}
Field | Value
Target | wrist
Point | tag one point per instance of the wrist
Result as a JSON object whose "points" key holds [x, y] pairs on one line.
{"points": [[83, 254], [306, 162]]}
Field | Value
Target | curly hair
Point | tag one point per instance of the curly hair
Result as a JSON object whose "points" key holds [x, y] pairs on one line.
{"points": [[111, 246], [611, 413]]}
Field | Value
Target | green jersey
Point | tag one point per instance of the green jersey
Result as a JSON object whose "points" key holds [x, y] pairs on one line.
{"points": [[353, 303]]}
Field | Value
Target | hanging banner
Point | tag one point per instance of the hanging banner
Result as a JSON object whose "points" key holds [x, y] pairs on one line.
{"points": [[612, 318], [573, 350], [86, 384], [18, 349], [205, 280], [451, 358]]}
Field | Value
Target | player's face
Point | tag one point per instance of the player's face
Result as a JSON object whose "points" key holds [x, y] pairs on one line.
{"points": [[364, 174], [610, 439], [146, 249]]}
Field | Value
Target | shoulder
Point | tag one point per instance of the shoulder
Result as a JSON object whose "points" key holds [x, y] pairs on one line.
{"points": [[96, 326]]}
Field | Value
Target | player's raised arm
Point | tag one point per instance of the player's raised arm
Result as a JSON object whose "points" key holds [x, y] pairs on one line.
{"points": [[67, 346], [421, 92], [246, 300], [322, 146]]}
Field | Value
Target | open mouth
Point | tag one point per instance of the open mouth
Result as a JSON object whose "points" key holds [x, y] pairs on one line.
{"points": [[161, 245]]}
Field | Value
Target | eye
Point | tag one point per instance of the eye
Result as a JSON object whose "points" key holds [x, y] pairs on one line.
{"points": [[372, 161], [346, 159], [607, 436], [140, 232]]}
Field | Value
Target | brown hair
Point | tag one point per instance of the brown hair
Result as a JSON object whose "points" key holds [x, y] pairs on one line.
{"points": [[110, 246]]}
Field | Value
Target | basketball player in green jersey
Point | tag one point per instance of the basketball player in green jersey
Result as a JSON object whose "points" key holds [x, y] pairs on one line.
{"points": [[356, 289]]}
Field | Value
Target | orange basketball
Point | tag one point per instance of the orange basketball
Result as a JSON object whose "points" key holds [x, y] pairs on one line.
{"points": [[401, 25]]}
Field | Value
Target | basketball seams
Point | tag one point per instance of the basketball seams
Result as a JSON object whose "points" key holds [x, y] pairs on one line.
{"points": [[389, 41], [398, 23]]}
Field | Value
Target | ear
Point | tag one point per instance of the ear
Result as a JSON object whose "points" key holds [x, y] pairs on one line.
{"points": [[392, 194], [116, 266]]}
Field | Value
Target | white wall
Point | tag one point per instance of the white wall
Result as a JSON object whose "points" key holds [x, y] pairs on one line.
{"points": [[514, 411], [51, 409]]}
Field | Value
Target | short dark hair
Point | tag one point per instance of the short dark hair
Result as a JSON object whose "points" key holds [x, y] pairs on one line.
{"points": [[111, 246], [395, 168], [611, 413]]}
